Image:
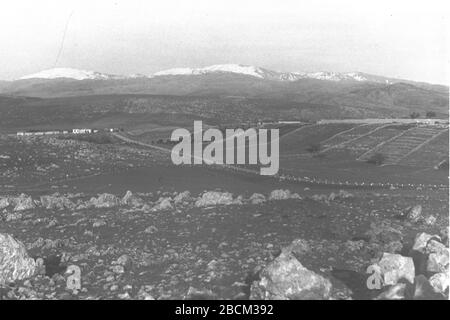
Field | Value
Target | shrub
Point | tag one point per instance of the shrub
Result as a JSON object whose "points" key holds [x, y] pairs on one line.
{"points": [[414, 115], [314, 147], [431, 114], [377, 159]]}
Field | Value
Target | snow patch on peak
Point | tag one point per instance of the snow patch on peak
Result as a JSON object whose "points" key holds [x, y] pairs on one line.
{"points": [[335, 76], [69, 73], [263, 73], [217, 68], [236, 68], [175, 71]]}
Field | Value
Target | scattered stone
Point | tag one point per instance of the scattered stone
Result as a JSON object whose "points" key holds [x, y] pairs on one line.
{"points": [[200, 294], [257, 198], [386, 235], [280, 194], [4, 203], [56, 202], [341, 195], [298, 248], [319, 197], [118, 269], [163, 204], [332, 196], [12, 216], [124, 261], [238, 200], [430, 220], [214, 198], [104, 200], [143, 293], [131, 200], [182, 198], [114, 287], [124, 296], [151, 229], [415, 213], [23, 202], [99, 223], [345, 194]]}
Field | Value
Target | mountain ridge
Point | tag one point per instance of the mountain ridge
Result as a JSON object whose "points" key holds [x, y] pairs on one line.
{"points": [[246, 70]]}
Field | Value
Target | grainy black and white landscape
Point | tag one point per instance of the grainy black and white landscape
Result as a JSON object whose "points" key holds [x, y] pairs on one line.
{"points": [[363, 182]]}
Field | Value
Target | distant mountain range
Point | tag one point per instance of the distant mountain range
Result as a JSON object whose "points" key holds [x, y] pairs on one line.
{"points": [[253, 71], [223, 92]]}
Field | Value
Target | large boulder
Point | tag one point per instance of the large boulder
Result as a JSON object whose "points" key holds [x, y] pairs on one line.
{"points": [[440, 282], [394, 267], [438, 258], [15, 264], [421, 241], [214, 198], [23, 202], [287, 279], [56, 201]]}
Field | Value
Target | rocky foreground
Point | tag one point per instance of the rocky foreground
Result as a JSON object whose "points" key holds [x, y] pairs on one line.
{"points": [[220, 246]]}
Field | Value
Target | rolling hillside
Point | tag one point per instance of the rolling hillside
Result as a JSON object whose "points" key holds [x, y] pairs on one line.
{"points": [[259, 92]]}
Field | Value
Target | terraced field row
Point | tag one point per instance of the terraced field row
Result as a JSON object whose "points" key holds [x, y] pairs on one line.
{"points": [[402, 145], [284, 128], [297, 141], [359, 146], [349, 135], [431, 153]]}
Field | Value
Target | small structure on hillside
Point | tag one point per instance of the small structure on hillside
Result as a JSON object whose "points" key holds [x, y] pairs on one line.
{"points": [[81, 131]]}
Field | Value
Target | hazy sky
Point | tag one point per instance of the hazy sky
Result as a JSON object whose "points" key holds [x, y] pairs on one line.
{"points": [[407, 39]]}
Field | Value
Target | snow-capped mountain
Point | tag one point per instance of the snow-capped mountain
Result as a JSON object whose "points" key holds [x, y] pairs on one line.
{"points": [[263, 73], [70, 73], [218, 68], [253, 71]]}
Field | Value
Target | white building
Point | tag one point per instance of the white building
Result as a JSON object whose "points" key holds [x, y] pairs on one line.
{"points": [[81, 131]]}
